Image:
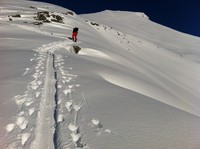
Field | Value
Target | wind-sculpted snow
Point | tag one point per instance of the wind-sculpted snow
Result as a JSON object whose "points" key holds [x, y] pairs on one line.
{"points": [[94, 53], [124, 84]]}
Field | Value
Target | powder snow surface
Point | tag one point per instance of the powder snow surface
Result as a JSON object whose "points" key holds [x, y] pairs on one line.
{"points": [[133, 85]]}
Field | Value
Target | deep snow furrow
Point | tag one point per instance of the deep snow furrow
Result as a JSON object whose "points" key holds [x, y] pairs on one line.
{"points": [[55, 136], [45, 120], [60, 133], [67, 133]]}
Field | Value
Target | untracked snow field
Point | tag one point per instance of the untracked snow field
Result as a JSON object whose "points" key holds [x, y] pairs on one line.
{"points": [[134, 84]]}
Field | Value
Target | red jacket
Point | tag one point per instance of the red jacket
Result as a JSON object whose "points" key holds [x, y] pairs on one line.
{"points": [[74, 34]]}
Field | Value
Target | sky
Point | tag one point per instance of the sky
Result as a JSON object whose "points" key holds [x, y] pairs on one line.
{"points": [[181, 15]]}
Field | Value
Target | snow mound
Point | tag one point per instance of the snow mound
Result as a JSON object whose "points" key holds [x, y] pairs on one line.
{"points": [[94, 53]]}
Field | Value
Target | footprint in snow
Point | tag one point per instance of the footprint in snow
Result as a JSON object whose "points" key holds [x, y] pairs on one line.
{"points": [[31, 111], [60, 118], [34, 85], [20, 100], [76, 138], [28, 103], [68, 105], [62, 72], [77, 108], [64, 77], [112, 132], [96, 123], [68, 92], [10, 127], [37, 94], [22, 122], [99, 127], [71, 86], [25, 137], [59, 86], [73, 128], [21, 113]]}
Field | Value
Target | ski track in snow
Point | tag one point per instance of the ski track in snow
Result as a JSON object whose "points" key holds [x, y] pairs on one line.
{"points": [[48, 114], [44, 125], [37, 103], [47, 109], [67, 133]]}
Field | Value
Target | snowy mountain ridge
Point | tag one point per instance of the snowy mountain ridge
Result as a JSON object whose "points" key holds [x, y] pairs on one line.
{"points": [[124, 13], [133, 84]]}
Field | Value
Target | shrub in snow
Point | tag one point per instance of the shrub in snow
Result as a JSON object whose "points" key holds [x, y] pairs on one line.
{"points": [[58, 18], [41, 17], [45, 13], [76, 49], [17, 15], [32, 7], [37, 23], [69, 13], [93, 23]]}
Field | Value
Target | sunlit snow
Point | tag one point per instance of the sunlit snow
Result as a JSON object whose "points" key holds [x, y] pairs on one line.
{"points": [[134, 84]]}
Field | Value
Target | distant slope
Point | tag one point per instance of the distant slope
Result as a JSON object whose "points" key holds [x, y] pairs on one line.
{"points": [[139, 25]]}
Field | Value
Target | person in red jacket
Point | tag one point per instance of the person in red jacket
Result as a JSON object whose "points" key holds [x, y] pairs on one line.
{"points": [[74, 34]]}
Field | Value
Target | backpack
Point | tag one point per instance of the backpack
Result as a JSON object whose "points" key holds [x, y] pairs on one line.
{"points": [[75, 29]]}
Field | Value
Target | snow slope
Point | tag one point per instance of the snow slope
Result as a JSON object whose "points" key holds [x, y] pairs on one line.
{"points": [[133, 84]]}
